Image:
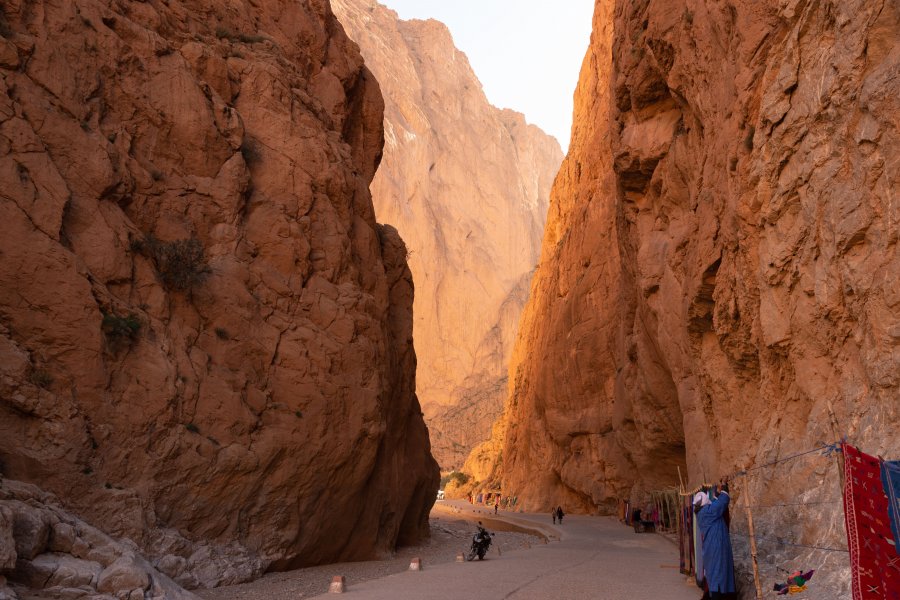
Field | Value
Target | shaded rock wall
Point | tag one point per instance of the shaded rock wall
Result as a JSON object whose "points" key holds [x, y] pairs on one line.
{"points": [[719, 277], [467, 186], [49, 553], [205, 339]]}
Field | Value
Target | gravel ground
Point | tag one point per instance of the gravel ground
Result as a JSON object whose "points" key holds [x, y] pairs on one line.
{"points": [[450, 535]]}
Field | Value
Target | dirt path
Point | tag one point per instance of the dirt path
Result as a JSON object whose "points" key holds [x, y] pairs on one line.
{"points": [[587, 557], [451, 533]]}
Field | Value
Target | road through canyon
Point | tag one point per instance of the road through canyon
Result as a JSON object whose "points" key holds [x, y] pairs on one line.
{"points": [[594, 557]]}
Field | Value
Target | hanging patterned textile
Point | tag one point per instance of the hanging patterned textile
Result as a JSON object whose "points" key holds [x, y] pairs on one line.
{"points": [[874, 561]]}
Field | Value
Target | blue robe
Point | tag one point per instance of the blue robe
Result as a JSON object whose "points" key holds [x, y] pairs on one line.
{"points": [[718, 562]]}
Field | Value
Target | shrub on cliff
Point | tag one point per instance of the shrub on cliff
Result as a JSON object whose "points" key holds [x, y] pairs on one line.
{"points": [[459, 479], [181, 264], [120, 331]]}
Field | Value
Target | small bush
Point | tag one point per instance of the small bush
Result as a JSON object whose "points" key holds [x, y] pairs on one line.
{"points": [[222, 334], [224, 34], [251, 39], [156, 175], [87, 470], [41, 378], [120, 331], [192, 428], [460, 479], [299, 414], [181, 264]]}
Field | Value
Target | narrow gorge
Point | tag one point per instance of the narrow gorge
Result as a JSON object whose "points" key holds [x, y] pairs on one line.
{"points": [[268, 268], [467, 186]]}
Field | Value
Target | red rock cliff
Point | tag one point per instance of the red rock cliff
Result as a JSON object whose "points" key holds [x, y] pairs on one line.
{"points": [[719, 272], [205, 338], [467, 186]]}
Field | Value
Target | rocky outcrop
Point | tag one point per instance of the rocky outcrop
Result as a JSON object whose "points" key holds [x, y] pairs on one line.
{"points": [[205, 339], [467, 186], [48, 553], [718, 284]]}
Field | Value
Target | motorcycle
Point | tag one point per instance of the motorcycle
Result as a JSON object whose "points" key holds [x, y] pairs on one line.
{"points": [[481, 541]]}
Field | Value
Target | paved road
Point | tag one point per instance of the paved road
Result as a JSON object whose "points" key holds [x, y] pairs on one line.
{"points": [[595, 558]]}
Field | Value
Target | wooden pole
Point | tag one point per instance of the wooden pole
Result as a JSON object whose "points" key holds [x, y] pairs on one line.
{"points": [[752, 532], [840, 455], [680, 482]]}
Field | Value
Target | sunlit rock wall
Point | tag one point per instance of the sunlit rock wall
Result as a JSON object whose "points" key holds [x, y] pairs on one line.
{"points": [[467, 186], [719, 283]]}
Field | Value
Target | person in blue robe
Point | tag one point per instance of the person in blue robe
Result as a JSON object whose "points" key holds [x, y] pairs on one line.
{"points": [[718, 561]]}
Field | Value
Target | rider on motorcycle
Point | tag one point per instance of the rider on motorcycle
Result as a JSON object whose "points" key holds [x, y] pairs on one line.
{"points": [[481, 541]]}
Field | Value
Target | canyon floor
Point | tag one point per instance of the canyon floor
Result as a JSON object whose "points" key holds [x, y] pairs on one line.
{"points": [[591, 557]]}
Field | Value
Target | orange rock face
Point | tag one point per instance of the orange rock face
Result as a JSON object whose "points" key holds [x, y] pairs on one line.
{"points": [[719, 283], [205, 338], [467, 186]]}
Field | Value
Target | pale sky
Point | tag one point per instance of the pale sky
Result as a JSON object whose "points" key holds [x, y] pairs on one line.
{"points": [[527, 53]]}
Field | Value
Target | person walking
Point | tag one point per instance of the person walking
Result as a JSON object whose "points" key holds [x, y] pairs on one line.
{"points": [[718, 560], [559, 514], [553, 514], [496, 505]]}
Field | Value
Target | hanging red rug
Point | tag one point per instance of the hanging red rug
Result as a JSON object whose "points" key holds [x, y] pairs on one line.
{"points": [[874, 561]]}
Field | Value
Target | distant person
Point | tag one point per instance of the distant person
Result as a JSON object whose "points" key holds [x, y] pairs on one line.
{"points": [[559, 514], [718, 561], [553, 514], [496, 505]]}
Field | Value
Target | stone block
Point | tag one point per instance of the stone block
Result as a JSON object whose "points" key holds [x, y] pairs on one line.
{"points": [[338, 585]]}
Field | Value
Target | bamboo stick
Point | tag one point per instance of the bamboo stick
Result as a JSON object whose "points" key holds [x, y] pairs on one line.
{"points": [[834, 432], [752, 532]]}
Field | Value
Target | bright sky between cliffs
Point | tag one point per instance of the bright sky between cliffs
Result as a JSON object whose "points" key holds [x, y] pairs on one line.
{"points": [[527, 53]]}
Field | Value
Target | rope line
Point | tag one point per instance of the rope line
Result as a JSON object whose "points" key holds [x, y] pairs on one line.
{"points": [[783, 543], [741, 506], [826, 449]]}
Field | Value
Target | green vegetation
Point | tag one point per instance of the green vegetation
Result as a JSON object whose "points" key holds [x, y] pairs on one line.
{"points": [[120, 331], [192, 428], [181, 264], [459, 479], [41, 378], [222, 333], [223, 33]]}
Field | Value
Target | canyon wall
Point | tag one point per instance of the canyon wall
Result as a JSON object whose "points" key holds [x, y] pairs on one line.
{"points": [[467, 186], [205, 338], [719, 284]]}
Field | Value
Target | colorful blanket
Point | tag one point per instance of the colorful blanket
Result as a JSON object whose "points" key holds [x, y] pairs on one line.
{"points": [[874, 562], [796, 583]]}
